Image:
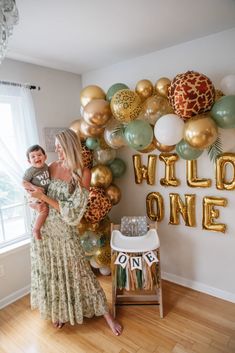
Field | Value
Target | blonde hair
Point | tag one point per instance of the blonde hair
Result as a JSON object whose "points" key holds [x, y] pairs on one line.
{"points": [[72, 149]]}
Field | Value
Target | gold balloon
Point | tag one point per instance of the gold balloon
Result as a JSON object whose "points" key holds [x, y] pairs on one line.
{"points": [[144, 89], [187, 210], [102, 143], [83, 226], [210, 213], [221, 163], [155, 107], [162, 85], [192, 179], [103, 256], [104, 226], [200, 131], [101, 176], [97, 112], [91, 92], [164, 148], [143, 172], [169, 159], [114, 193], [155, 213], [90, 131], [125, 105], [76, 127]]}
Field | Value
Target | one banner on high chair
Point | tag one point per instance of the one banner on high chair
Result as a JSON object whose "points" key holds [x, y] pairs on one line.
{"points": [[136, 262]]}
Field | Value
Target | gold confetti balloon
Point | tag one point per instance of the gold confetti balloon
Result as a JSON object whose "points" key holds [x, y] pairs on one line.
{"points": [[103, 256], [125, 105], [144, 89], [89, 93]]}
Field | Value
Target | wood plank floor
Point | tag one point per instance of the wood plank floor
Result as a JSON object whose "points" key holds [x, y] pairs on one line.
{"points": [[193, 323]]}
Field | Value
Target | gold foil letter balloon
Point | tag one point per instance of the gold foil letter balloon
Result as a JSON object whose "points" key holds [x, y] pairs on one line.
{"points": [[192, 179], [101, 176], [187, 210], [169, 159], [97, 112], [221, 163], [143, 172], [201, 131], [91, 92], [125, 105], [209, 213], [144, 89], [155, 213]]}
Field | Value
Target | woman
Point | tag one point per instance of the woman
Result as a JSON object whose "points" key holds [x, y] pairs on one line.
{"points": [[64, 288]]}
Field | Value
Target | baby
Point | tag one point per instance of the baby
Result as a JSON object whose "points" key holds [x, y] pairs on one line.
{"points": [[35, 177]]}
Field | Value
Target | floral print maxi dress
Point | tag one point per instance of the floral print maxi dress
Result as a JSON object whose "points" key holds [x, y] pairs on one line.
{"points": [[63, 286]]}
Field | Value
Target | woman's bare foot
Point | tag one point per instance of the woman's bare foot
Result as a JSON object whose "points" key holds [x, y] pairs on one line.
{"points": [[58, 324], [113, 324]]}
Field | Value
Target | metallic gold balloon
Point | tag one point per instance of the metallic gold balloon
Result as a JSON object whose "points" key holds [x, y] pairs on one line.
{"points": [[76, 127], [192, 179], [200, 131], [97, 112], [162, 85], [102, 143], [90, 131], [91, 92], [209, 213], [143, 172], [169, 159], [155, 213], [187, 210], [164, 148], [103, 256], [125, 105], [114, 193], [101, 176], [155, 107], [221, 163], [144, 89]]}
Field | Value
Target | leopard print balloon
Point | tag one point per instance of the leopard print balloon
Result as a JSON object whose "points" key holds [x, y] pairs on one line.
{"points": [[191, 93], [98, 205], [87, 157], [125, 105]]}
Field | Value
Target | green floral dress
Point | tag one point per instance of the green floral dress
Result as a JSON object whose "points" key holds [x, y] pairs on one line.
{"points": [[63, 286]]}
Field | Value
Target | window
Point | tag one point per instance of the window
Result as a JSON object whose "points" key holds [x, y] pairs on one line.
{"points": [[15, 113]]}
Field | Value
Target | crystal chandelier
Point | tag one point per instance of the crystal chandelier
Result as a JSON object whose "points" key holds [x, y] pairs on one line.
{"points": [[9, 17]]}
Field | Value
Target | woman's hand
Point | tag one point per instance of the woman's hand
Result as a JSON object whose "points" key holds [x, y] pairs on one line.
{"points": [[86, 178]]}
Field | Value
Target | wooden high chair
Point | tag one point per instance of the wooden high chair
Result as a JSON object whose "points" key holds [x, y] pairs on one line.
{"points": [[137, 296]]}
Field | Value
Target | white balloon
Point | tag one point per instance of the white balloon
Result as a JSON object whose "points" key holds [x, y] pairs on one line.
{"points": [[94, 263], [227, 85], [169, 129], [105, 271], [227, 139]]}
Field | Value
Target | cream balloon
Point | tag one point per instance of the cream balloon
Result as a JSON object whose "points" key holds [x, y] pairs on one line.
{"points": [[169, 129], [104, 156], [227, 85]]}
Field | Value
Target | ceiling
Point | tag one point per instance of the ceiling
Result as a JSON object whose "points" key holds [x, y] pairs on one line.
{"points": [[83, 35]]}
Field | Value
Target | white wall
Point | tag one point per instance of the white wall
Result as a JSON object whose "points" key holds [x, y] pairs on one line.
{"points": [[191, 256], [57, 104]]}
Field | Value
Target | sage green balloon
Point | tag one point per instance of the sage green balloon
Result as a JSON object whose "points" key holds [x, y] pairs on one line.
{"points": [[138, 134], [118, 167], [92, 143], [185, 151], [113, 89], [223, 112]]}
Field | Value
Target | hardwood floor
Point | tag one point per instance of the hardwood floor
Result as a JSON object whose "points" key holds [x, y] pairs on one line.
{"points": [[193, 323]]}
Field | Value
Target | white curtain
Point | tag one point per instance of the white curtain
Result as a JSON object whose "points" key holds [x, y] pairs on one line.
{"points": [[22, 127]]}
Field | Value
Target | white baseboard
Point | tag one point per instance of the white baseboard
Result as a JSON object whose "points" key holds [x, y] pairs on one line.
{"points": [[199, 287], [14, 296]]}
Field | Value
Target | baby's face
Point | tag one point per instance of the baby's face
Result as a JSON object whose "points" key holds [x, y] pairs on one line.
{"points": [[37, 159]]}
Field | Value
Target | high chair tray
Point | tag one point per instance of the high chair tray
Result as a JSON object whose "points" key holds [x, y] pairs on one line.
{"points": [[147, 242]]}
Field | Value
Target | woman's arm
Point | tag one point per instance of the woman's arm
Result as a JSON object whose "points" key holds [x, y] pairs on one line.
{"points": [[86, 178], [42, 197]]}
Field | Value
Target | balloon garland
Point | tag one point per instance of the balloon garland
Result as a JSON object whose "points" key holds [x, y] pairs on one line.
{"points": [[186, 114]]}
